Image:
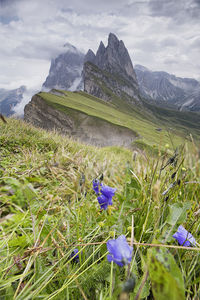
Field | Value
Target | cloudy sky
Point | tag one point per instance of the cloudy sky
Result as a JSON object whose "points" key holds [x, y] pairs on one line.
{"points": [[159, 34]]}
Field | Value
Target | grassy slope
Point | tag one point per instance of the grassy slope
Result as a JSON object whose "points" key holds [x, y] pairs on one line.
{"points": [[139, 119], [46, 213]]}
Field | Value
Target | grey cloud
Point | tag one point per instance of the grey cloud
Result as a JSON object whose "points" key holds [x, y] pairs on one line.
{"points": [[196, 43], [168, 42], [148, 45], [170, 61], [180, 10], [161, 34]]}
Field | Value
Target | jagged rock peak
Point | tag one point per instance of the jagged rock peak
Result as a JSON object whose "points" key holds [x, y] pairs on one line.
{"points": [[101, 49], [112, 40], [119, 78], [90, 56], [114, 58]]}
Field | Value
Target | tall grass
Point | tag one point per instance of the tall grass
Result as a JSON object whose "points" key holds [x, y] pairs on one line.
{"points": [[48, 209]]}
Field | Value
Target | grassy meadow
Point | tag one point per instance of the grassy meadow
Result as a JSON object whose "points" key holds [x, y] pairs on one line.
{"points": [[48, 208], [145, 121]]}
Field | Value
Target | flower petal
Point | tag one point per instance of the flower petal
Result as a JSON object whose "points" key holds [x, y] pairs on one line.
{"points": [[120, 250], [103, 201], [184, 237], [108, 191]]}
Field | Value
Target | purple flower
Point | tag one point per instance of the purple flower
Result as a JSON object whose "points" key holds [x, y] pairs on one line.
{"points": [[105, 198], [74, 256], [103, 201], [184, 237], [120, 251], [96, 184], [108, 192]]}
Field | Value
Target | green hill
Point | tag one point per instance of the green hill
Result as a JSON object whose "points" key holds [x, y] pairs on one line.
{"points": [[153, 125], [48, 209]]}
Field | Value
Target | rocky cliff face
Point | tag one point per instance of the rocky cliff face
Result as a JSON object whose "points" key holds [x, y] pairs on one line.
{"points": [[80, 126], [167, 89], [65, 71], [10, 98], [110, 72]]}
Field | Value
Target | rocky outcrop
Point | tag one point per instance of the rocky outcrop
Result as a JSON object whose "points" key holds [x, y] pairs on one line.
{"points": [[110, 72], [78, 125], [168, 90], [66, 70]]}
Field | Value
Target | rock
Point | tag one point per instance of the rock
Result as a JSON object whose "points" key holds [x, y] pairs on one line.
{"points": [[80, 126], [110, 72], [65, 70], [90, 56], [168, 90]]}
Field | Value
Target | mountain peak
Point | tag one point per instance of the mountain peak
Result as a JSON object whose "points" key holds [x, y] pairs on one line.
{"points": [[65, 70], [112, 39], [90, 56], [115, 60], [141, 68]]}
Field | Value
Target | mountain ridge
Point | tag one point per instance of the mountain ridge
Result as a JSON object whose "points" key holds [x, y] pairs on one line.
{"points": [[168, 90]]}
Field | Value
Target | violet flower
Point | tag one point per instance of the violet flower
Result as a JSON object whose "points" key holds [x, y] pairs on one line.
{"points": [[120, 251], [104, 195], [184, 237], [96, 183], [75, 256], [105, 198]]}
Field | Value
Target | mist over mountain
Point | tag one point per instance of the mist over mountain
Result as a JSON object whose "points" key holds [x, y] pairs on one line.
{"points": [[65, 70], [9, 99]]}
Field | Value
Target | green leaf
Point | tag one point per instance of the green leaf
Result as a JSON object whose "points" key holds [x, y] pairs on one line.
{"points": [[166, 278], [177, 213]]}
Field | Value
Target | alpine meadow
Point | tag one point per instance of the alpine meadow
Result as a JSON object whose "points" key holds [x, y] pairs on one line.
{"points": [[99, 157]]}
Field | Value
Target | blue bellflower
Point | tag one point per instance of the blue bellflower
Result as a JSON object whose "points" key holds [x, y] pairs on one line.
{"points": [[184, 237], [75, 256], [105, 198], [96, 183], [120, 251], [104, 195]]}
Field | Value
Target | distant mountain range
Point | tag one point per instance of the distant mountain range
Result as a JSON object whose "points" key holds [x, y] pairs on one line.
{"points": [[9, 99], [110, 73], [106, 75], [168, 90]]}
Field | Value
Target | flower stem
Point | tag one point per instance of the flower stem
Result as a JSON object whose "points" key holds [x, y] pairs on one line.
{"points": [[111, 279]]}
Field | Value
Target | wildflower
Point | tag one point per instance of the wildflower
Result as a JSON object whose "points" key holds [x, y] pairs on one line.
{"points": [[108, 192], [120, 251], [75, 256], [104, 201], [184, 237], [96, 185], [105, 198]]}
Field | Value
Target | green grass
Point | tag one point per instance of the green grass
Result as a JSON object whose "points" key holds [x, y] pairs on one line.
{"points": [[142, 120], [48, 208]]}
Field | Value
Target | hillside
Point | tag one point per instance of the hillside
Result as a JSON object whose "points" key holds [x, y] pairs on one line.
{"points": [[49, 209], [149, 124]]}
